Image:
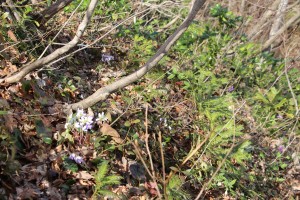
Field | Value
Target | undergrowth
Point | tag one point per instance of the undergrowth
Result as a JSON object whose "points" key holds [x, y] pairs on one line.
{"points": [[216, 99]]}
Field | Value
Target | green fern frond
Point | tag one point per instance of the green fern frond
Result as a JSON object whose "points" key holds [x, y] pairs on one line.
{"points": [[174, 182], [102, 170], [106, 193], [111, 180], [102, 181]]}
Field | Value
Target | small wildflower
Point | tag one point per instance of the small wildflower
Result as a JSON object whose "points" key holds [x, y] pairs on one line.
{"points": [[279, 116], [230, 89], [165, 123], [281, 148], [87, 127], [67, 125], [78, 159], [72, 156], [77, 125], [80, 113], [106, 58], [101, 117], [70, 120]]}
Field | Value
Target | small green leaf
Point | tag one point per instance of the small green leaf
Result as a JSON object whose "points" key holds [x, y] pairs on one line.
{"points": [[127, 124], [47, 140], [5, 15], [3, 112], [283, 165], [136, 121]]}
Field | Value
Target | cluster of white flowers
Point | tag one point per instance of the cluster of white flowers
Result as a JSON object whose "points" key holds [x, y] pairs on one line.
{"points": [[81, 121]]}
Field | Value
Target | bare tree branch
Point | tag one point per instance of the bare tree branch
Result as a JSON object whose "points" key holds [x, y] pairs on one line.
{"points": [[278, 22], [102, 93], [11, 5], [49, 12], [264, 20], [58, 52], [294, 20]]}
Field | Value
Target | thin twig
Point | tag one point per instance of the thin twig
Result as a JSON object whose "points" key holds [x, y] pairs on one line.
{"points": [[147, 142], [58, 52], [100, 38], [63, 26], [147, 169], [163, 164]]}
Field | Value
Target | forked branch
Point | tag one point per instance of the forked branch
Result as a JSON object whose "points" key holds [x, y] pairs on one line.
{"points": [[52, 10], [102, 93], [58, 52], [291, 22]]}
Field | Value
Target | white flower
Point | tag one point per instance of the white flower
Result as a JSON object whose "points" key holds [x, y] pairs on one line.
{"points": [[77, 125], [101, 117], [80, 113], [67, 125]]}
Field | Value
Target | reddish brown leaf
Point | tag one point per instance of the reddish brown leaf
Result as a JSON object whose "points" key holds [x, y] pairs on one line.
{"points": [[12, 36]]}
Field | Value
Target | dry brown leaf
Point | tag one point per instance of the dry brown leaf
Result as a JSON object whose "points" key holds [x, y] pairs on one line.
{"points": [[10, 68], [106, 129], [10, 122], [23, 58], [84, 175], [12, 36]]}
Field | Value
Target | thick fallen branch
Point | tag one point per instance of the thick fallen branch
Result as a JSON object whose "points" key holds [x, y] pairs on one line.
{"points": [[58, 52], [13, 9], [291, 22], [264, 20], [49, 12], [102, 93], [278, 22]]}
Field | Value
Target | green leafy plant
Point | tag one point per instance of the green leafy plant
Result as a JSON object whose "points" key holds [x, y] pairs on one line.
{"points": [[217, 81], [103, 181], [174, 190]]}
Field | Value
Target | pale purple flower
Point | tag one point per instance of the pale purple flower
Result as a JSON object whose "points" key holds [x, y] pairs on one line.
{"points": [[78, 159], [279, 116], [230, 89], [87, 127], [281, 148], [85, 123], [107, 58], [72, 156]]}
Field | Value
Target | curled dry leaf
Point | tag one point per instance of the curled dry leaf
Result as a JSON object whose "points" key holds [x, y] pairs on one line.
{"points": [[12, 36], [106, 129], [84, 175]]}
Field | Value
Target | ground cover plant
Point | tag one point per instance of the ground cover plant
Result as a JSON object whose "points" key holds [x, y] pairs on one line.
{"points": [[149, 99]]}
